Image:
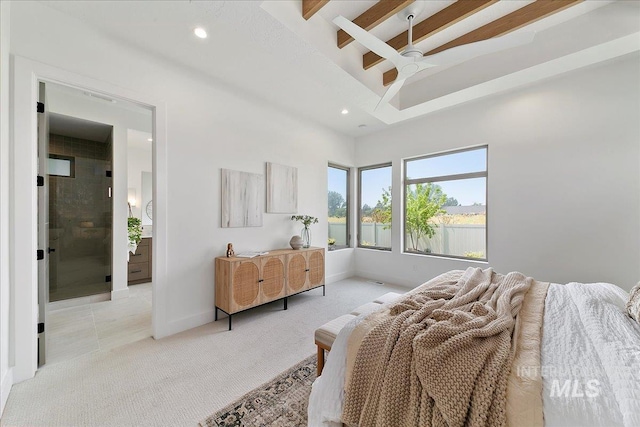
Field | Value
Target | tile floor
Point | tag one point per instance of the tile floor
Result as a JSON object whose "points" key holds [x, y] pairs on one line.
{"points": [[98, 325]]}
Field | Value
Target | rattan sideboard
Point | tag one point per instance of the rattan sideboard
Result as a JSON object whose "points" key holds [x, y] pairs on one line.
{"points": [[244, 283]]}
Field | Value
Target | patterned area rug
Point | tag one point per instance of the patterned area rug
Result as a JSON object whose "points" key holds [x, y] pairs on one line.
{"points": [[281, 402]]}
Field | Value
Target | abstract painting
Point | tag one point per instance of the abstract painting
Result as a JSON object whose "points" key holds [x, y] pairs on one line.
{"points": [[282, 189], [242, 199]]}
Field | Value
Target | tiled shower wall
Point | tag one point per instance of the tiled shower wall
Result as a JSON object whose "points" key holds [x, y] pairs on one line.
{"points": [[80, 220]]}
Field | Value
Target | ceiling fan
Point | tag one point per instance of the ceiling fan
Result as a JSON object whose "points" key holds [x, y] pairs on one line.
{"points": [[412, 60]]}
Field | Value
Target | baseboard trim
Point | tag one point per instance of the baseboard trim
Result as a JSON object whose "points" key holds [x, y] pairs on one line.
{"points": [[120, 294], [190, 322], [337, 277], [386, 279], [5, 389]]}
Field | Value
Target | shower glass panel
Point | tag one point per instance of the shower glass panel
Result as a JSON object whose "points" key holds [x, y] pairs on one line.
{"points": [[80, 209]]}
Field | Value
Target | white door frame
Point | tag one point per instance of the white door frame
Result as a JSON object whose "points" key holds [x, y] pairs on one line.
{"points": [[23, 207]]}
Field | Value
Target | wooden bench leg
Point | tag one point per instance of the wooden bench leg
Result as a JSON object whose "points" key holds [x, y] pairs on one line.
{"points": [[320, 360]]}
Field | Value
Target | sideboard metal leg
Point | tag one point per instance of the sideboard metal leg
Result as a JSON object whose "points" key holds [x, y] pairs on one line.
{"points": [[285, 303], [216, 316], [323, 288], [229, 322]]}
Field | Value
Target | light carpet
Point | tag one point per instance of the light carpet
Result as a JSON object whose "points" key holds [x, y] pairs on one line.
{"points": [[182, 379], [281, 402]]}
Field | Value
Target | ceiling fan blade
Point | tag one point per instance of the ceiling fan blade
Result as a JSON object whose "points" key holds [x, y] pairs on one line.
{"points": [[391, 92], [369, 41], [484, 47]]}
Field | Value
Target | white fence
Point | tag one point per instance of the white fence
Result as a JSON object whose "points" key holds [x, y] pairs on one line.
{"points": [[455, 239], [374, 234], [450, 239], [339, 232]]}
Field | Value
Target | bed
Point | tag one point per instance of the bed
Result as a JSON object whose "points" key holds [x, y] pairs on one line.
{"points": [[573, 357]]}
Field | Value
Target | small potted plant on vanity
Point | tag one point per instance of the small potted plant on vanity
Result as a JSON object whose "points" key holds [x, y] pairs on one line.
{"points": [[134, 234], [306, 220]]}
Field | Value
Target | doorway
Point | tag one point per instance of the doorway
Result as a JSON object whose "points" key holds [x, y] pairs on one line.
{"points": [[86, 304], [24, 206], [80, 207]]}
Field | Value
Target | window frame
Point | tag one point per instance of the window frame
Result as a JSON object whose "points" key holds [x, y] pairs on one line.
{"points": [[455, 177], [348, 205], [360, 170]]}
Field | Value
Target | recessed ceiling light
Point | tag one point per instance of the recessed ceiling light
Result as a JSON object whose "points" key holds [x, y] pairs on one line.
{"points": [[362, 126], [200, 32], [150, 139], [345, 111]]}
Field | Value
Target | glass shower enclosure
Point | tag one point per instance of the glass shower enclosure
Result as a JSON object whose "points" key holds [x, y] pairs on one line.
{"points": [[80, 209]]}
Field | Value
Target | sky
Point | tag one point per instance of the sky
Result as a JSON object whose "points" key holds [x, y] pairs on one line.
{"points": [[467, 192], [338, 181]]}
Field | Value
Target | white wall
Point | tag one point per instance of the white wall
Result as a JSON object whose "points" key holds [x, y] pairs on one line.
{"points": [[209, 127], [5, 295], [564, 178]]}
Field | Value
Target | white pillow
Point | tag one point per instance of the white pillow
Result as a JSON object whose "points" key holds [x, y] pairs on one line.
{"points": [[633, 305]]}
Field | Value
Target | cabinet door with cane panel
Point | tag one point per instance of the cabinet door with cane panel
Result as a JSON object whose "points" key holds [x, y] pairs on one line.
{"points": [[305, 270], [272, 279], [315, 267], [245, 285], [297, 273]]}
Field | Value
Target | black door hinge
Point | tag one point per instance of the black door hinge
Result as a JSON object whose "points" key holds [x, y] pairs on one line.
{"points": [[40, 107], [40, 328], [109, 173], [107, 278], [40, 181], [40, 254]]}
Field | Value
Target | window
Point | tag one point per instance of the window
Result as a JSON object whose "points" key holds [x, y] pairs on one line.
{"points": [[374, 207], [62, 166], [338, 202], [445, 204]]}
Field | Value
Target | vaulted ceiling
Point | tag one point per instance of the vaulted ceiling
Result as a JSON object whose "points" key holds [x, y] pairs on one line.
{"points": [[569, 34], [452, 13], [268, 50]]}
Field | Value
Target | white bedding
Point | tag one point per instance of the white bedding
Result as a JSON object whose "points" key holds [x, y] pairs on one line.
{"points": [[592, 349], [327, 391], [588, 342]]}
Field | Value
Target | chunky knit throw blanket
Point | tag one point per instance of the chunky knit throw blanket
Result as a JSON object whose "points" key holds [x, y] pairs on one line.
{"points": [[439, 357]]}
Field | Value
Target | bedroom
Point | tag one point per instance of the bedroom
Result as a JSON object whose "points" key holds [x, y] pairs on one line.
{"points": [[564, 162]]}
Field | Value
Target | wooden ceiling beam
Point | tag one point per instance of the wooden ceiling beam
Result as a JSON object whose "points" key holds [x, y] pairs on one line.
{"points": [[508, 23], [373, 16], [310, 7], [430, 26]]}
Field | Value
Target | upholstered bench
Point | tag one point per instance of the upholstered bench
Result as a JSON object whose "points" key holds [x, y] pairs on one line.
{"points": [[387, 298], [326, 334]]}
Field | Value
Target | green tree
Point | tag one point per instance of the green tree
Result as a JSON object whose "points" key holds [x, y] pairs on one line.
{"points": [[451, 202], [382, 212], [366, 210], [337, 206], [423, 203]]}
